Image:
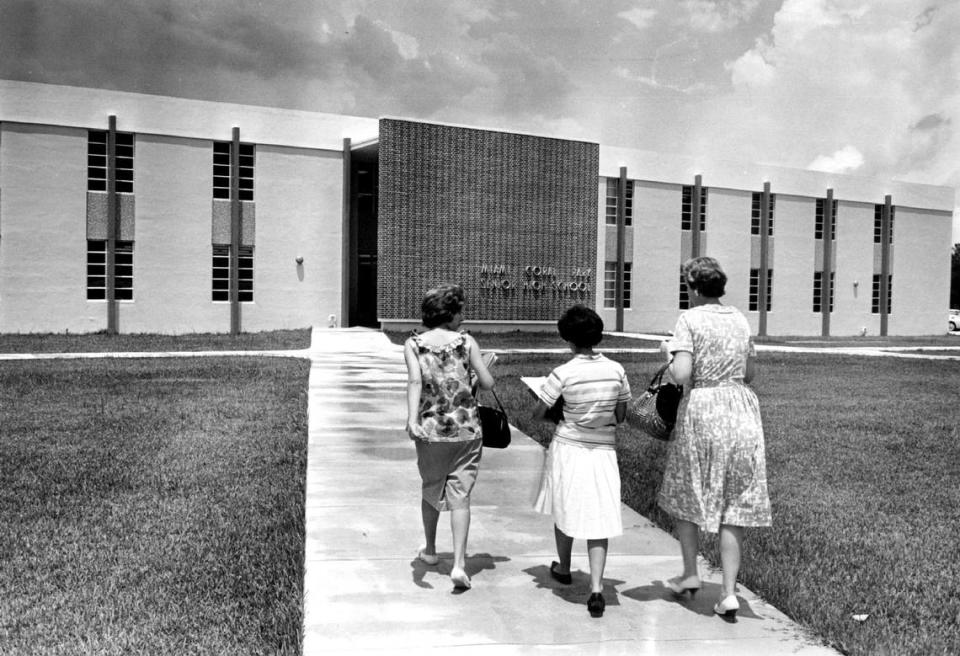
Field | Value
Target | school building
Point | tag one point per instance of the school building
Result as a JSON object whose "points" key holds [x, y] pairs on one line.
{"points": [[134, 213]]}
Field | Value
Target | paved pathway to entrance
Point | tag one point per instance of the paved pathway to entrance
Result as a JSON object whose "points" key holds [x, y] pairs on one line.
{"points": [[365, 593]]}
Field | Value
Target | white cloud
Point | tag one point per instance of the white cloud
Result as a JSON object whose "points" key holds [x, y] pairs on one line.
{"points": [[751, 69], [408, 45], [639, 16], [711, 16], [845, 160]]}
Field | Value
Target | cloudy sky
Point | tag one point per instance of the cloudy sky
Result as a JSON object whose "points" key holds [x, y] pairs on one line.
{"points": [[867, 87]]}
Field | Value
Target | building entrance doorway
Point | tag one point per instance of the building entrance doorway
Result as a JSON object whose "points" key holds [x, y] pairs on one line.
{"points": [[364, 185]]}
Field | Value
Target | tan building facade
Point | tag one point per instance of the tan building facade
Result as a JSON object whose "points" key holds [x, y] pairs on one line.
{"points": [[132, 213]]}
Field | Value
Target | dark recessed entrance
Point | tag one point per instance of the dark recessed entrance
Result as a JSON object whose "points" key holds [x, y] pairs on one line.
{"points": [[364, 185]]}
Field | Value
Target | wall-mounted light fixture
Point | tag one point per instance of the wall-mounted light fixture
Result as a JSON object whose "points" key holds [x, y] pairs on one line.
{"points": [[299, 259]]}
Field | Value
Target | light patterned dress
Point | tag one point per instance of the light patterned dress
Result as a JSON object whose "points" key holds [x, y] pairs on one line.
{"points": [[716, 466], [448, 409]]}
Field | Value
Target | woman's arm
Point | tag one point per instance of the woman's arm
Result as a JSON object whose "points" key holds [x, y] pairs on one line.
{"points": [[620, 413], [484, 378], [539, 412], [750, 370], [414, 387], [681, 368]]}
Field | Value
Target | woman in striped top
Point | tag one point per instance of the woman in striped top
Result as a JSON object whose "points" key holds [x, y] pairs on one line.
{"points": [[581, 483]]}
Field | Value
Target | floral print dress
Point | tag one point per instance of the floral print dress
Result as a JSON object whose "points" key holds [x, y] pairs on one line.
{"points": [[448, 409], [716, 466]]}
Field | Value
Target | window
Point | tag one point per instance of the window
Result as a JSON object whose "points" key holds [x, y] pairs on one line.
{"points": [[819, 220], [97, 270], [755, 214], [686, 209], [875, 300], [97, 161], [221, 170], [221, 273], [610, 284], [612, 184], [684, 294], [754, 296], [818, 286], [878, 223]]}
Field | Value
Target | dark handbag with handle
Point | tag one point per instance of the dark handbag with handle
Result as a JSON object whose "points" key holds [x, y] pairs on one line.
{"points": [[655, 411], [494, 424]]}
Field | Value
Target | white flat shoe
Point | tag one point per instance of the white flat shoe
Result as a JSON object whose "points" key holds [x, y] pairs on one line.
{"points": [[727, 607], [679, 585], [460, 579], [428, 559]]}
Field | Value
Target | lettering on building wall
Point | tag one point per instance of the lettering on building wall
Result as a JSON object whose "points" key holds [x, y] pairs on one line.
{"points": [[535, 280]]}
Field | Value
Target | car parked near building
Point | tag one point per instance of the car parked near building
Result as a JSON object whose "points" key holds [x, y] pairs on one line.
{"points": [[954, 320]]}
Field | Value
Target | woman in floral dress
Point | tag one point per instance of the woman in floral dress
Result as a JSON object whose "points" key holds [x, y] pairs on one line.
{"points": [[442, 420], [715, 478]]}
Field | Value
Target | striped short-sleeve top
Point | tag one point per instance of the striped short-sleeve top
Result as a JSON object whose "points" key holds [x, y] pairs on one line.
{"points": [[591, 387]]}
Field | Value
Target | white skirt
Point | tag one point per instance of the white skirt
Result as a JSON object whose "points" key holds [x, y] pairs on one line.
{"points": [[580, 487]]}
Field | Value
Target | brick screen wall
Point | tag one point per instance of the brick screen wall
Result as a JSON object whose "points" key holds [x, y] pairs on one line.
{"points": [[512, 218]]}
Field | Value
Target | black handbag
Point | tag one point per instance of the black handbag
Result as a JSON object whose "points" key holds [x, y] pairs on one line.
{"points": [[493, 424], [655, 410]]}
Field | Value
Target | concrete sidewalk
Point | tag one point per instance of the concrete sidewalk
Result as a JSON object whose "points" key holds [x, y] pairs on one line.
{"points": [[365, 592]]}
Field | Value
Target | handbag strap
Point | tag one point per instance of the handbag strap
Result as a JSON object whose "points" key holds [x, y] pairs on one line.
{"points": [[496, 398], [658, 377]]}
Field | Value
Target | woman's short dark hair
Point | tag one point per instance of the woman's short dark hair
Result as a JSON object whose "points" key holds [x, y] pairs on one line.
{"points": [[704, 275], [581, 326], [440, 304]]}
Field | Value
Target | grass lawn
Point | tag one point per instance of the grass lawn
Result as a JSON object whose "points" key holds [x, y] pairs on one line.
{"points": [[152, 506], [101, 342], [863, 460]]}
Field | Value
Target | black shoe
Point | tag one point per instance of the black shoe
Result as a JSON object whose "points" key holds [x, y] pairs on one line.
{"points": [[566, 579], [596, 604]]}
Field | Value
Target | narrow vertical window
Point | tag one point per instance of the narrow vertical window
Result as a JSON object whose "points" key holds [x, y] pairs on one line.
{"points": [[753, 298], [755, 204], [97, 270], [684, 294], [221, 170], [818, 287], [818, 223], [610, 284], [875, 296], [878, 223], [220, 278], [820, 219], [769, 289], [124, 161], [627, 275], [686, 209], [245, 274], [612, 198], [97, 161], [123, 268]]}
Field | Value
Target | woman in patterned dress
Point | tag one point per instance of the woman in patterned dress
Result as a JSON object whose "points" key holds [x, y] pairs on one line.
{"points": [[715, 478], [442, 420]]}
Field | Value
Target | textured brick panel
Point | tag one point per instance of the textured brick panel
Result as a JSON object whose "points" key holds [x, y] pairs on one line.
{"points": [[97, 216], [510, 217], [220, 224]]}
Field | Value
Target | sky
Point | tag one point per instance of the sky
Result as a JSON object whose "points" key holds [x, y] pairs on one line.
{"points": [[865, 87]]}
